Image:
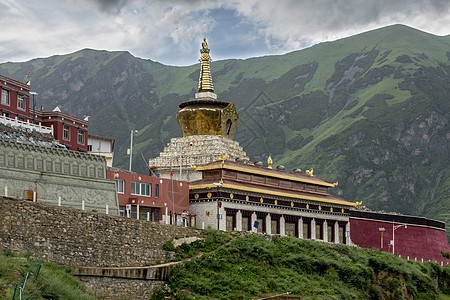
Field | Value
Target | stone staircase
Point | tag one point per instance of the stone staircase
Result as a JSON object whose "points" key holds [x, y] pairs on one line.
{"points": [[157, 272]]}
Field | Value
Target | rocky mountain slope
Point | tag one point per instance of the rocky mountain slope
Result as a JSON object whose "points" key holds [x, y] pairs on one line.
{"points": [[370, 111]]}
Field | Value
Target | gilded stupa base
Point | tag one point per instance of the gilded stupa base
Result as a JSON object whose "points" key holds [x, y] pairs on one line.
{"points": [[195, 150]]}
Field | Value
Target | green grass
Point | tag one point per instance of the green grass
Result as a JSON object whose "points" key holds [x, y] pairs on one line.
{"points": [[52, 282], [247, 267]]}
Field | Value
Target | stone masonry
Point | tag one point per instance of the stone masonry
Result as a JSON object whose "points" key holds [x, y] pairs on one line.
{"points": [[195, 150], [56, 173], [80, 238]]}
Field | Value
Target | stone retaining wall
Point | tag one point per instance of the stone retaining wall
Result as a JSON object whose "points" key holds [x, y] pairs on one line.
{"points": [[120, 288], [73, 237]]}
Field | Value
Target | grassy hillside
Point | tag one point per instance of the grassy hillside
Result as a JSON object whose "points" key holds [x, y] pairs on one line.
{"points": [[370, 111], [48, 282], [245, 267]]}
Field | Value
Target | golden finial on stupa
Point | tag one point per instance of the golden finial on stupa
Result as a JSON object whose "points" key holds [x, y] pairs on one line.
{"points": [[205, 81], [269, 162]]}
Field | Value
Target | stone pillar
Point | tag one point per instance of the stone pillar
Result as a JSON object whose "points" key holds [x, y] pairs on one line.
{"points": [[268, 224], [282, 226], [336, 232], [254, 218], [325, 231], [348, 241], [239, 221], [300, 228], [223, 218], [313, 229]]}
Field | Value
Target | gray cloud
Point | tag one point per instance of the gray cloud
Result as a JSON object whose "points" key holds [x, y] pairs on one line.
{"points": [[110, 6], [170, 31]]}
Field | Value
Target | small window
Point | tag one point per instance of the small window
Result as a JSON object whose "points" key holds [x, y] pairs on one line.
{"points": [[135, 188], [156, 190], [145, 189], [119, 185], [228, 128], [5, 97], [80, 137], [66, 133], [89, 148], [20, 102]]}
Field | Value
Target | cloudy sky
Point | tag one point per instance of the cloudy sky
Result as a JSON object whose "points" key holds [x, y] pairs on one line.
{"points": [[171, 31]]}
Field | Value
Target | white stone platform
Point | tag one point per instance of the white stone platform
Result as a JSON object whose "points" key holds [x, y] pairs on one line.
{"points": [[195, 150]]}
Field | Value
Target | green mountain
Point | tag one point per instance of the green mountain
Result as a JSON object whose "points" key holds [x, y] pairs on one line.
{"points": [[370, 111]]}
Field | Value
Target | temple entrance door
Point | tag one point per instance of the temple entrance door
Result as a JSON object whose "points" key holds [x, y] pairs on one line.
{"points": [[229, 223], [274, 226], [306, 231], [290, 229], [245, 221], [260, 226], [330, 234], [341, 234]]}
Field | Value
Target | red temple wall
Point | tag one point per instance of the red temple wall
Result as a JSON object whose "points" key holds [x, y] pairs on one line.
{"points": [[416, 241]]}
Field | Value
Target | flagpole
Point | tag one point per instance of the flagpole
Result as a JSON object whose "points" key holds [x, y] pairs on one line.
{"points": [[173, 202]]}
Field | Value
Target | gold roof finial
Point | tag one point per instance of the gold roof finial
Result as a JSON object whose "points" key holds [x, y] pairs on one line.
{"points": [[310, 172], [269, 162], [205, 81]]}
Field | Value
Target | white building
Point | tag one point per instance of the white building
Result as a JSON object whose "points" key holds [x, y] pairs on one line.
{"points": [[101, 146]]}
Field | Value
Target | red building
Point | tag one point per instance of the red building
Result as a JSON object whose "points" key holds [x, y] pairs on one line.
{"points": [[143, 197], [414, 238], [16, 110], [68, 130], [15, 99]]}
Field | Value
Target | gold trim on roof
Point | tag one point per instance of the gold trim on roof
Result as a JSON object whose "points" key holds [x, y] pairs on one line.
{"points": [[265, 173], [274, 193]]}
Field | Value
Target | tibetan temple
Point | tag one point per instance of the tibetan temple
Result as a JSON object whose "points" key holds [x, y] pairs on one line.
{"points": [[228, 192], [207, 125]]}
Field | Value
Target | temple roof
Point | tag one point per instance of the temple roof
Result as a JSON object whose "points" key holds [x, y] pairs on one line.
{"points": [[281, 188], [281, 174]]}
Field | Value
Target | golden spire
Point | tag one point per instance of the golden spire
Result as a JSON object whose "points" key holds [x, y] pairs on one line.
{"points": [[205, 81], [269, 162]]}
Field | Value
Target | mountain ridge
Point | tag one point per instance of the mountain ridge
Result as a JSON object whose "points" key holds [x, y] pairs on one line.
{"points": [[370, 111]]}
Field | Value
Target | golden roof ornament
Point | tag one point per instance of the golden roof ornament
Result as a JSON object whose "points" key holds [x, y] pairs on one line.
{"points": [[205, 115], [205, 80], [269, 162], [310, 172]]}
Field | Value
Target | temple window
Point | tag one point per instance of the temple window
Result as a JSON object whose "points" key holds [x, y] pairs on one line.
{"points": [[66, 132], [20, 102], [5, 97], [119, 185], [80, 137], [228, 126]]}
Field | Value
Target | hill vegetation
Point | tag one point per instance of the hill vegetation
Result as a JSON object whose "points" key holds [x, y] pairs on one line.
{"points": [[44, 281], [370, 111], [228, 266]]}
